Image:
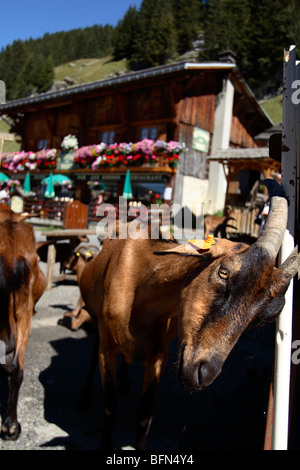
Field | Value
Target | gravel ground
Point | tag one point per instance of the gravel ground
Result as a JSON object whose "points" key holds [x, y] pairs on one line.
{"points": [[230, 414]]}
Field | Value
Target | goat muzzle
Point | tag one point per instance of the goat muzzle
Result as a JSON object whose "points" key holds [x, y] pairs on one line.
{"points": [[197, 375]]}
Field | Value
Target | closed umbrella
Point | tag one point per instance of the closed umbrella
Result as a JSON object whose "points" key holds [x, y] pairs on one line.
{"points": [[27, 187], [50, 187], [127, 190], [3, 178]]}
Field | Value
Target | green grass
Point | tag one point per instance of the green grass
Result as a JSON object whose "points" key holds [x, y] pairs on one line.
{"points": [[273, 108], [89, 70], [9, 146], [82, 71]]}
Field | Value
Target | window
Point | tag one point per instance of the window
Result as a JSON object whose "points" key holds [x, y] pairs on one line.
{"points": [[153, 133], [42, 144], [148, 133], [108, 137], [144, 133]]}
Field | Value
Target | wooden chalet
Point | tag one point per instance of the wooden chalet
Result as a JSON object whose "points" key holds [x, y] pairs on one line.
{"points": [[208, 106]]}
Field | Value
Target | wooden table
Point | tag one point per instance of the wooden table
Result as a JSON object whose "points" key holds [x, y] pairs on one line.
{"points": [[53, 237]]}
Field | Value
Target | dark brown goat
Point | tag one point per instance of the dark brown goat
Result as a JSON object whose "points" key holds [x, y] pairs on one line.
{"points": [[77, 262], [21, 285], [143, 292], [63, 250], [215, 224]]}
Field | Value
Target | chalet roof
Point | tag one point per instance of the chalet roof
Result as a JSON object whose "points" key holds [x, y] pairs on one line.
{"points": [[237, 159], [265, 135], [232, 154], [131, 77], [117, 81]]}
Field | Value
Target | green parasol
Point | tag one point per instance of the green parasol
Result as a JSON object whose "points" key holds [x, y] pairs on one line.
{"points": [[50, 187], [26, 186], [3, 178], [57, 179], [127, 190]]}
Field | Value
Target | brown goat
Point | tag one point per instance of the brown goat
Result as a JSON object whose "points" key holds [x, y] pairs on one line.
{"points": [[21, 285], [63, 250], [143, 292], [77, 262], [215, 224]]}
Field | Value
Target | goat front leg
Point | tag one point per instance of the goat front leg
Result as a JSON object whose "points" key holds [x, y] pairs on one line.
{"points": [[74, 313], [11, 428], [153, 372], [83, 317], [80, 314], [107, 363]]}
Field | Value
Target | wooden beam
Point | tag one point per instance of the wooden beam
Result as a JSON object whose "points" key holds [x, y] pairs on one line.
{"points": [[122, 110], [47, 120]]}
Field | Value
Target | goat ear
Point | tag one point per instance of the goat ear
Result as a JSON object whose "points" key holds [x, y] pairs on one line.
{"points": [[200, 247], [24, 216], [182, 250], [16, 217]]}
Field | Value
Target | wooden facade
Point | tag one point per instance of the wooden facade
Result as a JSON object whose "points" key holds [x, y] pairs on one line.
{"points": [[171, 102]]}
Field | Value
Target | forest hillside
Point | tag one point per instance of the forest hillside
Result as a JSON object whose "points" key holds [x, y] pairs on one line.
{"points": [[160, 32]]}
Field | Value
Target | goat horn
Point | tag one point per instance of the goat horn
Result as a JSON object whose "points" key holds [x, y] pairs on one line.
{"points": [[273, 231], [291, 265]]}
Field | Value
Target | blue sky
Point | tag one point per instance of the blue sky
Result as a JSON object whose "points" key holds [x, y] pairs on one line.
{"points": [[22, 19]]}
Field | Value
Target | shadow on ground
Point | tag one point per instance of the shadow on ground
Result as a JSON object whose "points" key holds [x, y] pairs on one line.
{"points": [[230, 414]]}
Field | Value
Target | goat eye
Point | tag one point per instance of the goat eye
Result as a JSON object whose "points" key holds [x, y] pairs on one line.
{"points": [[223, 273]]}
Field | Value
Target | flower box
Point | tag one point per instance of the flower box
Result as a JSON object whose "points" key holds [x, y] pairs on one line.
{"points": [[32, 161], [146, 153]]}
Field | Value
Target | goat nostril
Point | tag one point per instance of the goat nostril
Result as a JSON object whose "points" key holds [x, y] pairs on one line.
{"points": [[207, 372], [202, 373], [197, 375]]}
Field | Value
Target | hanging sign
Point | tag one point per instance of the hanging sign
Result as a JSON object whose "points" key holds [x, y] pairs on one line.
{"points": [[201, 140], [65, 160]]}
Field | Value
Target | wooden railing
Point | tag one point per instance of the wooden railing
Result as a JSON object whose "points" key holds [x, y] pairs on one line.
{"points": [[45, 208], [244, 222], [55, 210]]}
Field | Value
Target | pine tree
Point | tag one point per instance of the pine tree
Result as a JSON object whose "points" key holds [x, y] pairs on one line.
{"points": [[15, 58], [46, 77], [155, 36], [24, 86], [274, 25], [187, 16], [124, 34], [257, 31], [227, 26]]}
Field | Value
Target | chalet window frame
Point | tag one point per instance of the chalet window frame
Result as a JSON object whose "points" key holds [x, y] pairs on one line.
{"points": [[149, 132], [108, 136]]}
